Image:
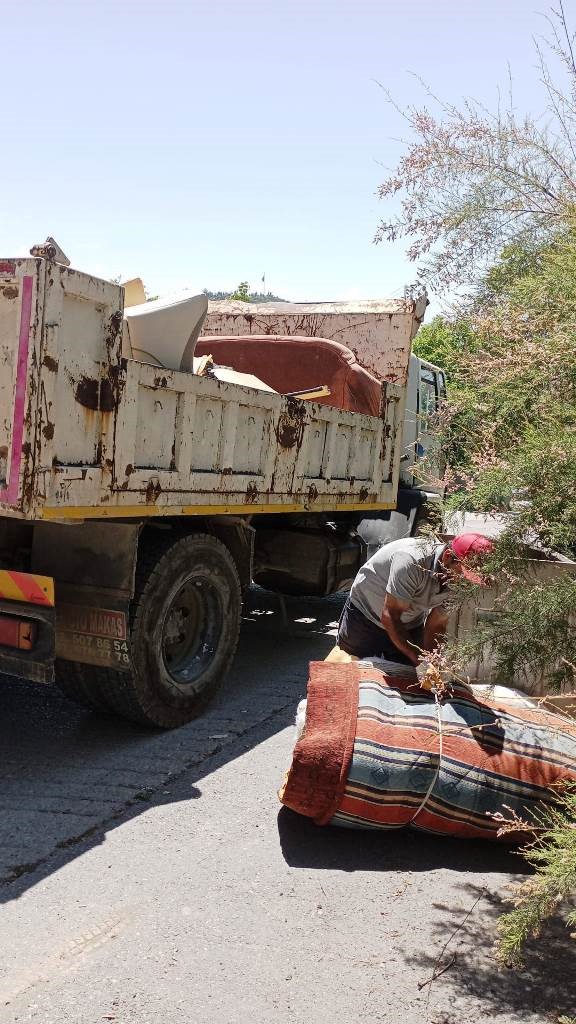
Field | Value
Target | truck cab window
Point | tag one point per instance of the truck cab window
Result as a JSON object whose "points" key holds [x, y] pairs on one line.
{"points": [[427, 396]]}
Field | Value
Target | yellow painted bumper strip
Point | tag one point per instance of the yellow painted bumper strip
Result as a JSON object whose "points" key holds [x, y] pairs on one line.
{"points": [[146, 511], [27, 587]]}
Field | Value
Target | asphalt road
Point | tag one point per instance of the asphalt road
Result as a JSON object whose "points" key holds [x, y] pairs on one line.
{"points": [[151, 878]]}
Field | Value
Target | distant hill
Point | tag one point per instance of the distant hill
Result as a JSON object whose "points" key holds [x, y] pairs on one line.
{"points": [[254, 296]]}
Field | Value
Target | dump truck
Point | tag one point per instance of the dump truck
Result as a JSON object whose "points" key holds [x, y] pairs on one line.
{"points": [[143, 490]]}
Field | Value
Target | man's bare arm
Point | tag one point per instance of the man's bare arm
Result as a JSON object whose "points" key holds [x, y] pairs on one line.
{"points": [[393, 608], [435, 629]]}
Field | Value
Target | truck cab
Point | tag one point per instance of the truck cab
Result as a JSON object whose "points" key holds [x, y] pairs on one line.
{"points": [[422, 464], [426, 390]]}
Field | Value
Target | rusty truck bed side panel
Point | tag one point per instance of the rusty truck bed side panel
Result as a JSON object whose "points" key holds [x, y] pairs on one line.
{"points": [[106, 437]]}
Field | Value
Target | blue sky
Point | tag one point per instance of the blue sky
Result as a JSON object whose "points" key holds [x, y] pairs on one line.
{"points": [[197, 144]]}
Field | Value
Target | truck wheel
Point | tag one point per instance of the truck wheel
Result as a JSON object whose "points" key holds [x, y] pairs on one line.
{"points": [[184, 627], [80, 686]]}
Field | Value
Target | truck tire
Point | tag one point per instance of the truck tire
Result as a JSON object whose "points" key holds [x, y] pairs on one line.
{"points": [[184, 627], [80, 685]]}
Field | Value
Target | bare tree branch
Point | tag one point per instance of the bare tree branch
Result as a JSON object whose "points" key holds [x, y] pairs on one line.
{"points": [[472, 181]]}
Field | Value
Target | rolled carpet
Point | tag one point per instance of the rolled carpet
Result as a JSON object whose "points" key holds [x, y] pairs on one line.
{"points": [[379, 752]]}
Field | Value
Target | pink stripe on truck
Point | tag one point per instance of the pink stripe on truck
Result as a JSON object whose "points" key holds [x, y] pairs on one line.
{"points": [[9, 494]]}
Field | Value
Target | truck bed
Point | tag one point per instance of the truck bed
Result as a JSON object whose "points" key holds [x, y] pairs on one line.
{"points": [[86, 433]]}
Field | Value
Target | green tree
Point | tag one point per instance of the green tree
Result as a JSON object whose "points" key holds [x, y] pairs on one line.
{"points": [[445, 342], [553, 855], [252, 297], [242, 293], [488, 202]]}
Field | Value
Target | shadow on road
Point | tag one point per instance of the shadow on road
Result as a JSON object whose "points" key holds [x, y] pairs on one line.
{"points": [[306, 845], [458, 966], [68, 776], [546, 983]]}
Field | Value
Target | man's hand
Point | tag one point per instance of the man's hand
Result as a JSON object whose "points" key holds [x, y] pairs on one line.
{"points": [[392, 622], [422, 668], [425, 674]]}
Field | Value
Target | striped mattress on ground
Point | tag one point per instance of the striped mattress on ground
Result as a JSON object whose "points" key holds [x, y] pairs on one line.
{"points": [[378, 752]]}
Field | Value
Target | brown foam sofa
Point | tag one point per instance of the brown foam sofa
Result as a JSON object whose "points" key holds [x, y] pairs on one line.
{"points": [[289, 363]]}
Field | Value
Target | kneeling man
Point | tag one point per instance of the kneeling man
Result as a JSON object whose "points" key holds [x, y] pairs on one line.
{"points": [[397, 605]]}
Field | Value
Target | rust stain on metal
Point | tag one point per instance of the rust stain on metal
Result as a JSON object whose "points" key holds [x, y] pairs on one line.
{"points": [[88, 393], [296, 408], [31, 449], [387, 434], [48, 431], [129, 469], [152, 492], [251, 493], [287, 434], [160, 382], [117, 375], [227, 471], [111, 338], [50, 363], [363, 496], [312, 493], [10, 292], [107, 395], [290, 430], [100, 395]]}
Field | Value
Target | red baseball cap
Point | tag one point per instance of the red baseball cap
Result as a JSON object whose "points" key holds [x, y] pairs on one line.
{"points": [[471, 547]]}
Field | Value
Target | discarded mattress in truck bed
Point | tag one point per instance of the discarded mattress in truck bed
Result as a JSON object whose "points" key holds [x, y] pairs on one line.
{"points": [[379, 752]]}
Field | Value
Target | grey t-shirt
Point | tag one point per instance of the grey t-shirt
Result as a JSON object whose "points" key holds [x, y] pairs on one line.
{"points": [[406, 569]]}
